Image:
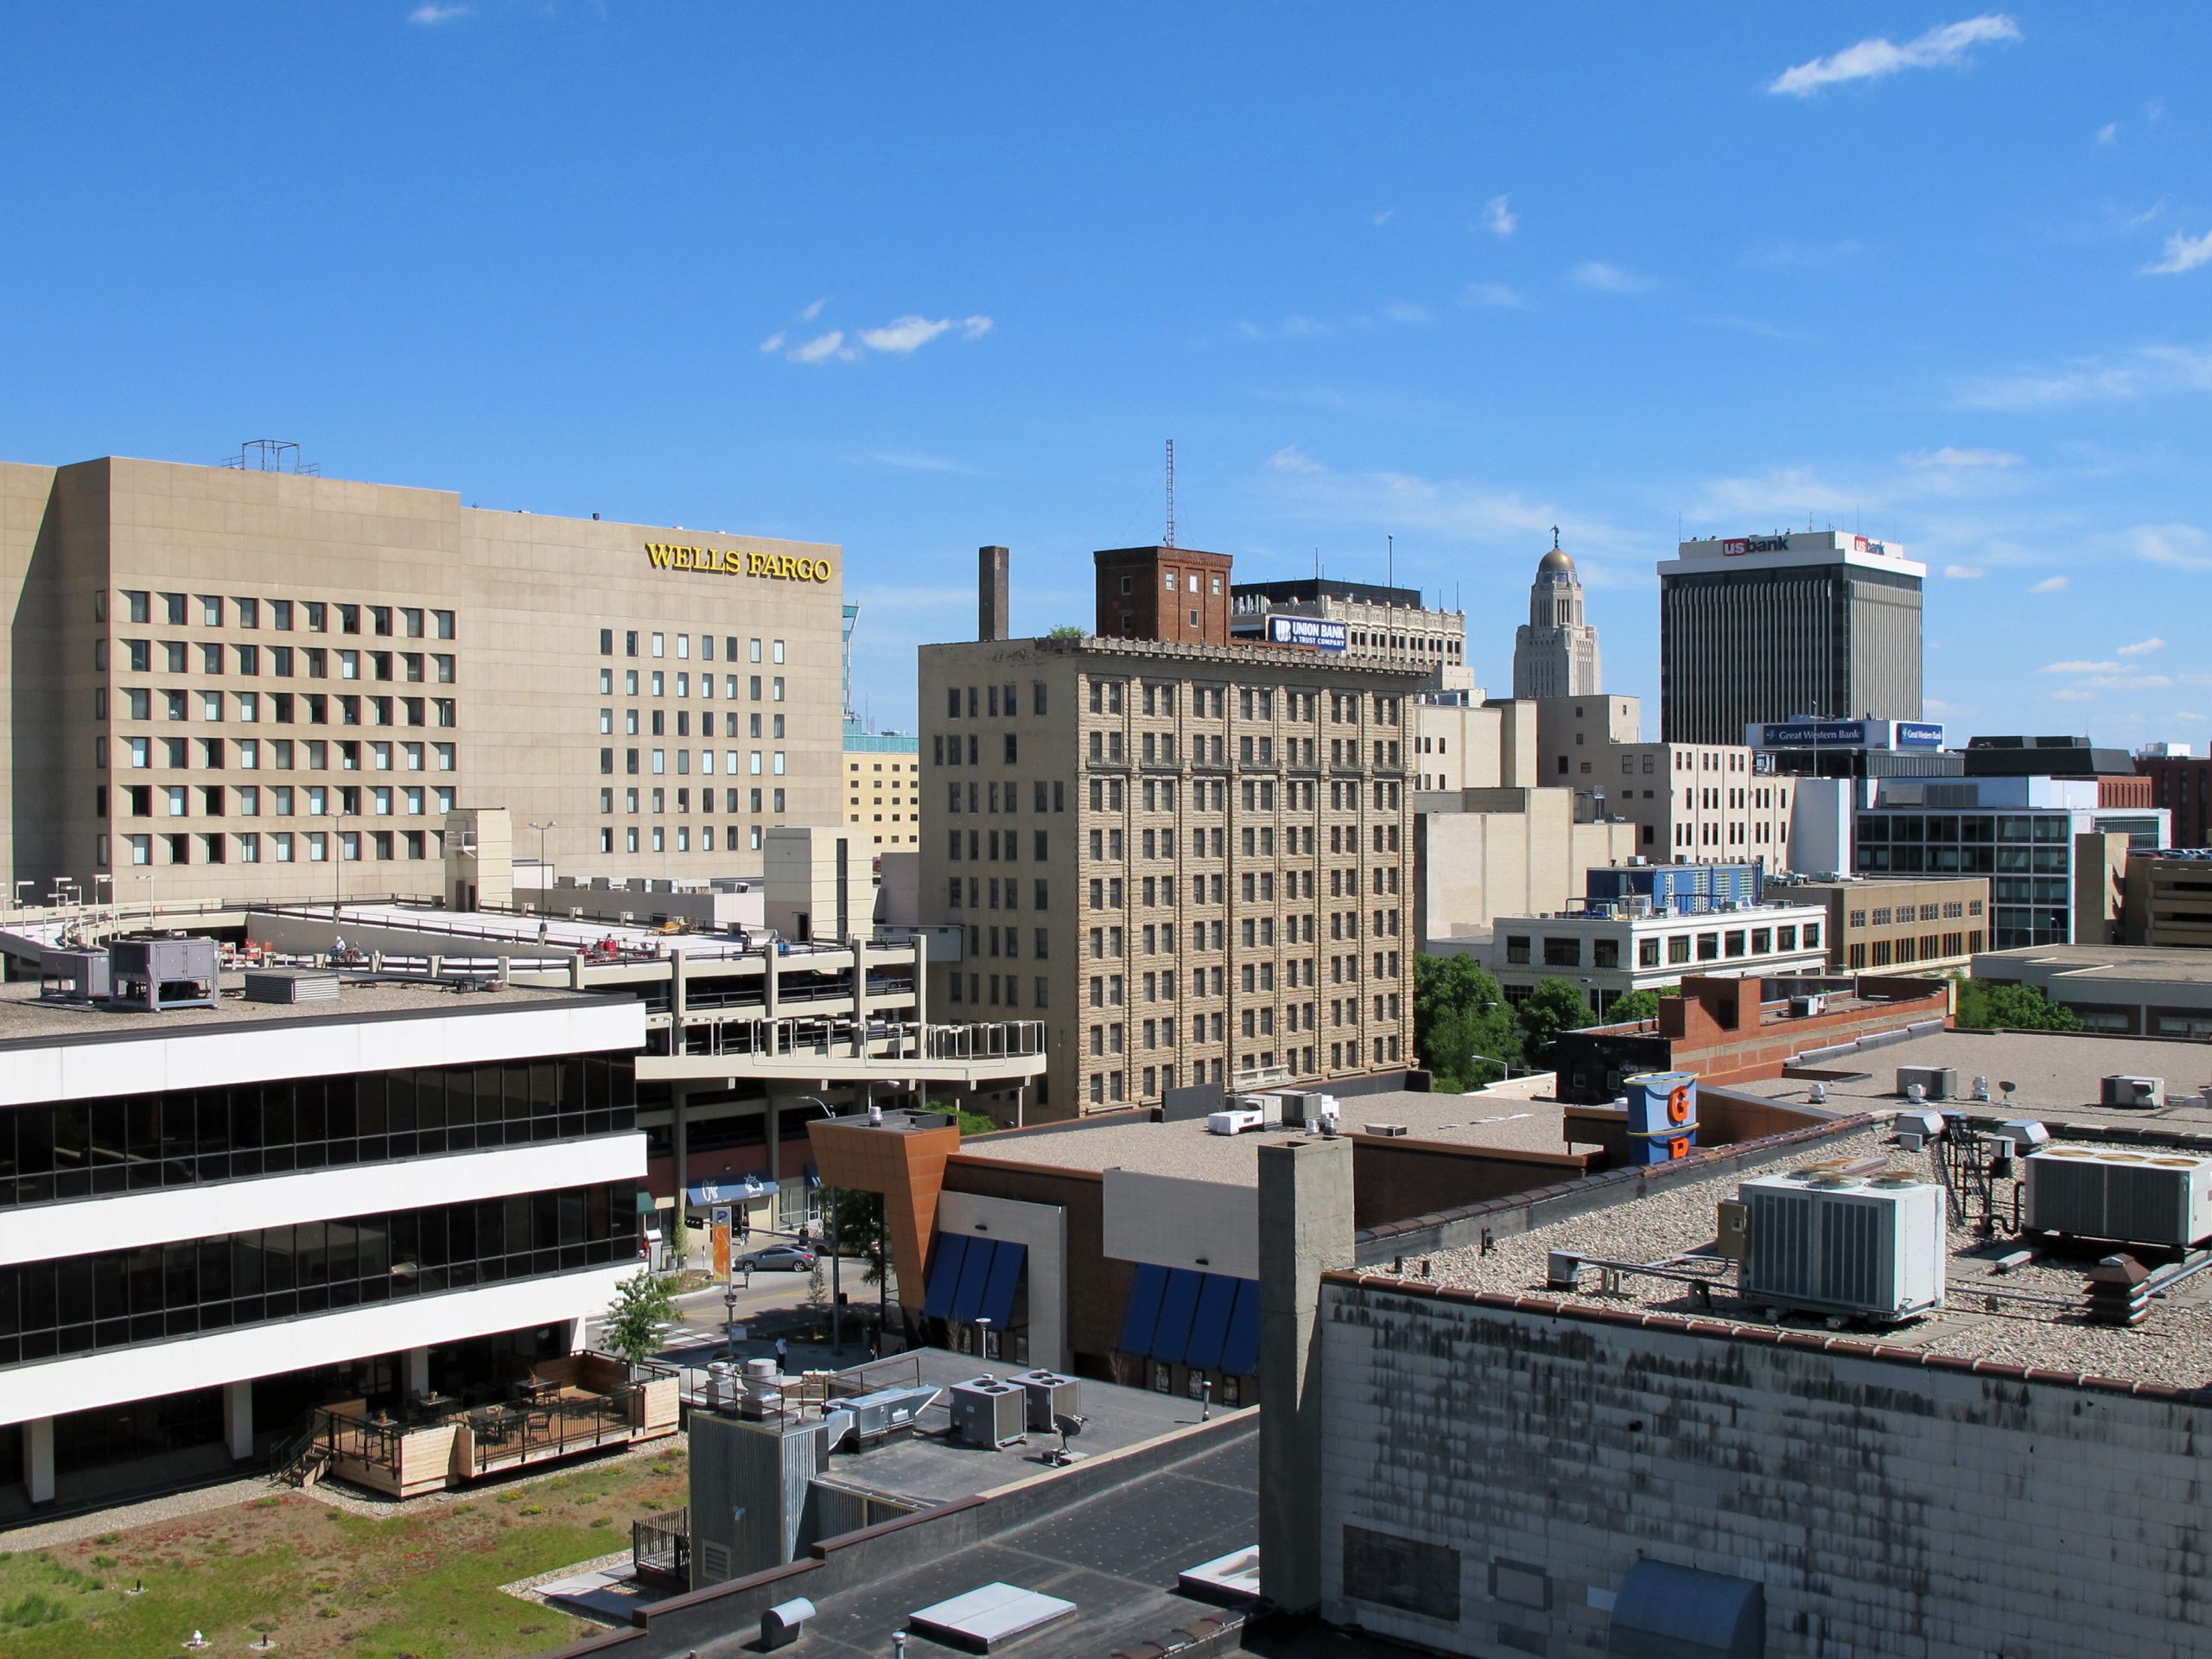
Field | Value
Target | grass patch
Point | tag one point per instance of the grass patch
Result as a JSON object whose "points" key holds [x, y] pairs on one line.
{"points": [[422, 1582]]}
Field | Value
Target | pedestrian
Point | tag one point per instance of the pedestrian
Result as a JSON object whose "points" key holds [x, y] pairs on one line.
{"points": [[782, 1352]]}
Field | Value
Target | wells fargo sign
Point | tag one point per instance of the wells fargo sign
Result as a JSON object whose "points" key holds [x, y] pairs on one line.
{"points": [[738, 561]]}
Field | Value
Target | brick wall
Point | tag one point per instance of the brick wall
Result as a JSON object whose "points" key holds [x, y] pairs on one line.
{"points": [[1517, 1461]]}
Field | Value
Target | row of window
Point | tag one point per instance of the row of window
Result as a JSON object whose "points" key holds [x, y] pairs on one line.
{"points": [[655, 720], [314, 662], [1947, 910], [1929, 947], [281, 708], [658, 796], [277, 847], [657, 645], [285, 800], [656, 683], [84, 1148], [1724, 945], [637, 761], [660, 842], [111, 1298], [317, 615], [284, 755]]}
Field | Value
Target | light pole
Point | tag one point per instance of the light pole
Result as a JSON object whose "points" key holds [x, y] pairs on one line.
{"points": [[544, 872], [836, 1299]]}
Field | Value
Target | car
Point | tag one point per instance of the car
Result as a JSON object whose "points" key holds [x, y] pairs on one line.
{"points": [[793, 1258]]}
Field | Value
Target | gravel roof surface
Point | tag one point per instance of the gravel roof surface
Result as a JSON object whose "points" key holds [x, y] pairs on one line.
{"points": [[2030, 1317]]}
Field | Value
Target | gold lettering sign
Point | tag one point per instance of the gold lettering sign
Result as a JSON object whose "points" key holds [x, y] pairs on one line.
{"points": [[738, 561]]}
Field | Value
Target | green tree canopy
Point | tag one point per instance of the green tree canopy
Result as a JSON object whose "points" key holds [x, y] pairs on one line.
{"points": [[643, 1303], [1555, 1005], [1983, 1007], [1636, 1005], [1458, 1013]]}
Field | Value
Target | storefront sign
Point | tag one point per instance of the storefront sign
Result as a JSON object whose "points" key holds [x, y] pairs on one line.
{"points": [[738, 561]]}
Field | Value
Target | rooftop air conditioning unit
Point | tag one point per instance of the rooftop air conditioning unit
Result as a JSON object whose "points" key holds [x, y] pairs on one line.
{"points": [[1936, 1081], [1833, 1244], [2120, 1090], [1235, 1120], [2137, 1197], [1803, 1008]]}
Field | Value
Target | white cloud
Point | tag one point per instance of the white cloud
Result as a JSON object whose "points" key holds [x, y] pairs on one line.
{"points": [[2143, 647], [814, 310], [1498, 216], [902, 334], [2182, 546], [1963, 572], [1384, 216], [2108, 133], [1872, 59], [2073, 694], [2149, 370], [431, 14], [1292, 459], [2051, 585], [1949, 457], [821, 349], [2082, 667], [774, 342], [1491, 294], [909, 460], [1406, 311], [1608, 278], [2188, 714], [975, 328], [2183, 253]]}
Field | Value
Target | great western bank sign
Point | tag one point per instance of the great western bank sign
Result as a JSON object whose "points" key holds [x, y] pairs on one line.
{"points": [[739, 561]]}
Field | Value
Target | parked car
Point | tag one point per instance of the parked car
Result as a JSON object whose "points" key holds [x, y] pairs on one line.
{"points": [[792, 1258]]}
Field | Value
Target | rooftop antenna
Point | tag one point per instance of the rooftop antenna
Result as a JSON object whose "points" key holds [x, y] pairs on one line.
{"points": [[1170, 540], [1390, 560]]}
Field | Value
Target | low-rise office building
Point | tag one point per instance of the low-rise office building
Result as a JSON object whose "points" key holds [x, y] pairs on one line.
{"points": [[1365, 621], [1479, 854], [2181, 785], [1609, 949], [883, 786], [2134, 990], [2168, 897], [1930, 925], [2056, 855]]}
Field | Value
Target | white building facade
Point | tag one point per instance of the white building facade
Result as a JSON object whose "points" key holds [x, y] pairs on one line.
{"points": [[1609, 950]]}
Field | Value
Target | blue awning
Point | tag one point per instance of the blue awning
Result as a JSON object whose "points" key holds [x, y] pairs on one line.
{"points": [[741, 1189], [1176, 1309], [944, 1274], [974, 1279], [1665, 1611], [1007, 1258], [1208, 1321], [1210, 1325], [1240, 1354], [1144, 1309]]}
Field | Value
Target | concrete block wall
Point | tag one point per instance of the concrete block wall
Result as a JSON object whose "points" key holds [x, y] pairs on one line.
{"points": [[1890, 1503]]}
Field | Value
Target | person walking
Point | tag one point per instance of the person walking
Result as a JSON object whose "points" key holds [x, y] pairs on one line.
{"points": [[782, 1352]]}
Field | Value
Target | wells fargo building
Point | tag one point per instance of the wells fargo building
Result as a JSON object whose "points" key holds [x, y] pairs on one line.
{"points": [[229, 683]]}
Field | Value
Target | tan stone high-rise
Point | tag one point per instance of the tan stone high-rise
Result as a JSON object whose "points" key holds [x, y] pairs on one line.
{"points": [[242, 685], [1190, 860]]}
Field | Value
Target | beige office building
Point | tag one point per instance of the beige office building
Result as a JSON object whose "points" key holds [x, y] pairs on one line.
{"points": [[1189, 858], [229, 683]]}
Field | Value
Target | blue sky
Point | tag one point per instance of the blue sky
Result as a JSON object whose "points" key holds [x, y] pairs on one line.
{"points": [[911, 279]]}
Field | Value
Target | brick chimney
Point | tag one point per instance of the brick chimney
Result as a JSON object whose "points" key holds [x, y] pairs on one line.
{"points": [[992, 582]]}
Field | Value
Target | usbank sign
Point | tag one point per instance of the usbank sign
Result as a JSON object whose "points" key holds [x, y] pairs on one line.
{"points": [[738, 561]]}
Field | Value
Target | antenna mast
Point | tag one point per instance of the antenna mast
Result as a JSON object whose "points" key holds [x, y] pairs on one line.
{"points": [[1170, 539]]}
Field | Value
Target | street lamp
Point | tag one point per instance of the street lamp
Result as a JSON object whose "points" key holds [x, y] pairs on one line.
{"points": [[837, 1296], [544, 873]]}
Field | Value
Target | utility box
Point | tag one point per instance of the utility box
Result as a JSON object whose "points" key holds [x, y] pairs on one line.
{"points": [[73, 976], [1936, 1081], [152, 974], [1051, 1397], [988, 1412]]}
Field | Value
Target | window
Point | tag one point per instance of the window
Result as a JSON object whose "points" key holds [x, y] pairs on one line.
{"points": [[443, 620]]}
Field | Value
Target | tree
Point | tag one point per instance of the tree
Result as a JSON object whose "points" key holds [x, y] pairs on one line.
{"points": [[1555, 1005], [1984, 1006], [976, 1123], [1068, 631], [643, 1303], [860, 1230], [1458, 1012], [1636, 1005]]}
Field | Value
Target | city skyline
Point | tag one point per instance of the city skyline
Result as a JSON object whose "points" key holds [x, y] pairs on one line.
{"points": [[1923, 274]]}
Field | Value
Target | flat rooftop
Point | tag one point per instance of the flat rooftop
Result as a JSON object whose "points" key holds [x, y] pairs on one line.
{"points": [[2029, 1317], [2080, 964], [2056, 1076], [1186, 1148], [28, 1021]]}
